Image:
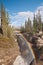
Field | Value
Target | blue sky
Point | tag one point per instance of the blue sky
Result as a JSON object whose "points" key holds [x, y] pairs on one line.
{"points": [[20, 10], [22, 5]]}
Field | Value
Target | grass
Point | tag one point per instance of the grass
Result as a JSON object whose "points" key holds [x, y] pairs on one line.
{"points": [[6, 42]]}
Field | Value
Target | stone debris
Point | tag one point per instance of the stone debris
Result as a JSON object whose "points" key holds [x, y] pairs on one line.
{"points": [[40, 42]]}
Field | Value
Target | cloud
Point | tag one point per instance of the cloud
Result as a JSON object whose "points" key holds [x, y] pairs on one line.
{"points": [[24, 15], [41, 11], [19, 18]]}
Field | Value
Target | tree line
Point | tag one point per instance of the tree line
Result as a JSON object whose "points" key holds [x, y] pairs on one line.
{"points": [[36, 26]]}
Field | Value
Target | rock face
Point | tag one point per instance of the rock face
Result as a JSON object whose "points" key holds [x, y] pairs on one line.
{"points": [[19, 61], [25, 49]]}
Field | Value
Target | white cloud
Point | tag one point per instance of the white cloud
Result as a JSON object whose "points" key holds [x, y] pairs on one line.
{"points": [[20, 17], [41, 11], [24, 15]]}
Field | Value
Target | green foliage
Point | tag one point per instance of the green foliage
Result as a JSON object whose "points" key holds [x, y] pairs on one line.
{"points": [[34, 24], [42, 26], [28, 25], [22, 29], [5, 22], [37, 23], [7, 17]]}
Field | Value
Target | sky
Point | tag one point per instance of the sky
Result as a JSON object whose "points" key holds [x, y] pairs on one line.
{"points": [[20, 10]]}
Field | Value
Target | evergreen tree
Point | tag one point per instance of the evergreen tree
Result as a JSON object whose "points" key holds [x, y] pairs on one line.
{"points": [[42, 26], [39, 22], [28, 25], [22, 29], [7, 17], [25, 25], [35, 24], [4, 24]]}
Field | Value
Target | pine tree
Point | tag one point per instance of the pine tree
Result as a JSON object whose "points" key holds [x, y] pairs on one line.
{"points": [[28, 25], [42, 26], [3, 20], [25, 25], [7, 17], [22, 29], [35, 24], [39, 22]]}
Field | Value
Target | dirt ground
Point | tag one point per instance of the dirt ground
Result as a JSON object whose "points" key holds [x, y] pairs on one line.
{"points": [[9, 50], [39, 62]]}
